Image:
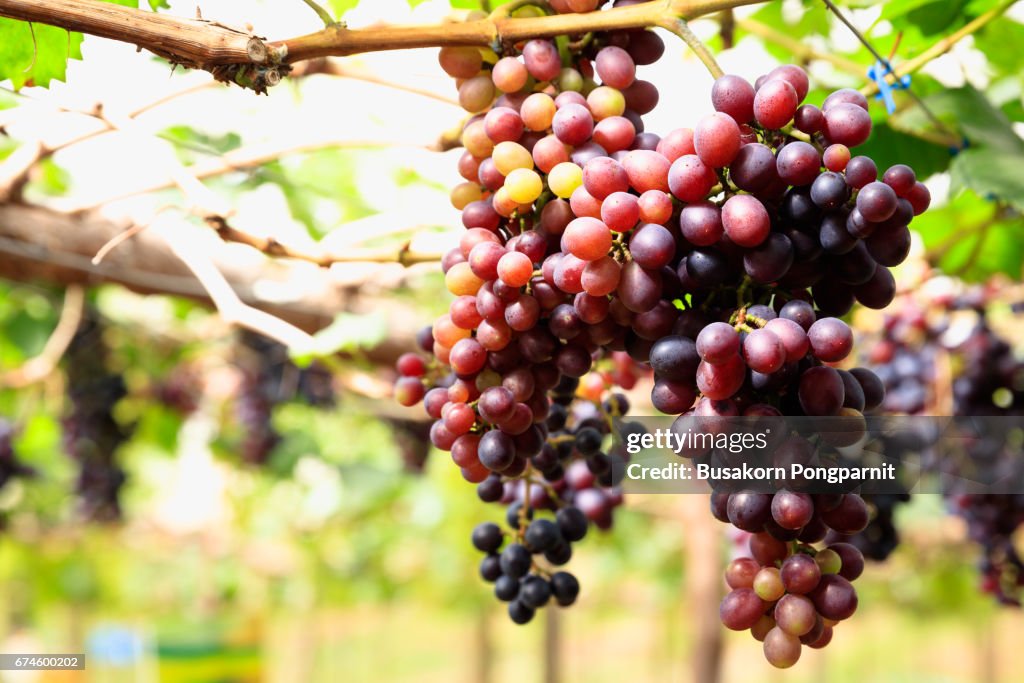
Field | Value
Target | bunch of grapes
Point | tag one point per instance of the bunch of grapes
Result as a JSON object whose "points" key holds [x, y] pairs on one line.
{"points": [[10, 466], [91, 434], [988, 381], [270, 377], [718, 256]]}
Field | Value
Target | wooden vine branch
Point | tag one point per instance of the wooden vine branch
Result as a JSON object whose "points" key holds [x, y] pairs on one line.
{"points": [[227, 52]]}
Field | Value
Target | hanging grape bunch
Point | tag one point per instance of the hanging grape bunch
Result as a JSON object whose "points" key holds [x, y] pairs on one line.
{"points": [[719, 256]]}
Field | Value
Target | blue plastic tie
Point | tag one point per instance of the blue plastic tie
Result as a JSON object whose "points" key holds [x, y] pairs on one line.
{"points": [[879, 73]]}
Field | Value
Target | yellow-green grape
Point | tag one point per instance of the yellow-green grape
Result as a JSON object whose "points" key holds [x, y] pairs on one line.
{"points": [[605, 101], [565, 178], [464, 193], [570, 79], [508, 156], [524, 185]]}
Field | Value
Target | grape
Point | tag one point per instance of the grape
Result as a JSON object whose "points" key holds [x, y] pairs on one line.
{"points": [[603, 176], [753, 169], [792, 510], [615, 67], [542, 60], [767, 584], [847, 124], [879, 291], [647, 171], [809, 119], [831, 339], [791, 334], [800, 574], [674, 358], [678, 143], [849, 517], [781, 649], [793, 75], [476, 94], [524, 185], [549, 152], [460, 62], [745, 220], [639, 289], [741, 609], [834, 598], [672, 397], [503, 124], [919, 198], [748, 510], [845, 96], [701, 223], [798, 163], [770, 260], [509, 75], [741, 572], [775, 103], [645, 47], [718, 343], [614, 133], [799, 312], [860, 171], [689, 179], [763, 351], [716, 140], [587, 239], [821, 391], [829, 190], [572, 124], [537, 112], [795, 614], [655, 206], [605, 102], [652, 246], [733, 95], [851, 560], [876, 202], [836, 157], [564, 178]]}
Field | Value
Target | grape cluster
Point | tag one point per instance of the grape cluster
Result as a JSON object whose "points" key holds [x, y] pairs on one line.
{"points": [[10, 466], [789, 594], [91, 435], [988, 381], [269, 377], [719, 256]]}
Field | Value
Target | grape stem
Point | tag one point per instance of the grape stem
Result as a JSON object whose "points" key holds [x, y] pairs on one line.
{"points": [[678, 26], [324, 15]]}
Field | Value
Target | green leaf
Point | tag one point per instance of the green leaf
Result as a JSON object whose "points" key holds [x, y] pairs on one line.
{"points": [[813, 20], [415, 3], [27, 62], [339, 7], [348, 333], [968, 110], [888, 146], [992, 173], [928, 16], [158, 4], [994, 40]]}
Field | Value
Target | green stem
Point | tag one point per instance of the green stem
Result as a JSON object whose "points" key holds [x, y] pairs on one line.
{"points": [[324, 15]]}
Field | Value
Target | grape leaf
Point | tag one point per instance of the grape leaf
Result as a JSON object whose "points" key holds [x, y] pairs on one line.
{"points": [[25, 62], [888, 146], [927, 16], [339, 7], [992, 173], [971, 112]]}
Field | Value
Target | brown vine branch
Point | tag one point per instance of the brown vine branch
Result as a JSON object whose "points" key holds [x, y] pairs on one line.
{"points": [[39, 367], [271, 247], [220, 49]]}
